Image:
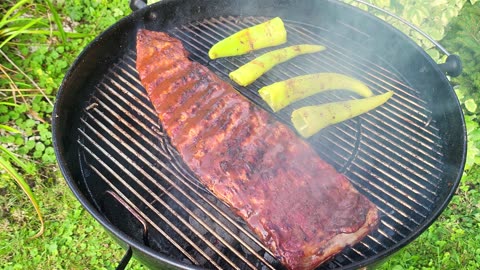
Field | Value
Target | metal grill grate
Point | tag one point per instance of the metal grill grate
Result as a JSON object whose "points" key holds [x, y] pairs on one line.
{"points": [[392, 155]]}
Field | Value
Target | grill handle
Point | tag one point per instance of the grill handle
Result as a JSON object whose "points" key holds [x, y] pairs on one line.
{"points": [[452, 66]]}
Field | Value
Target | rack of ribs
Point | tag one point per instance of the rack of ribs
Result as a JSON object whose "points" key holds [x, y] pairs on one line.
{"points": [[298, 205]]}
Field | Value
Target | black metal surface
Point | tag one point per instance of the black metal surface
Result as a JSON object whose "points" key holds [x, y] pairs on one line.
{"points": [[406, 157]]}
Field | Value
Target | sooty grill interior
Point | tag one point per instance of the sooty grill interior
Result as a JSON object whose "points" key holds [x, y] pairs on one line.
{"points": [[393, 155]]}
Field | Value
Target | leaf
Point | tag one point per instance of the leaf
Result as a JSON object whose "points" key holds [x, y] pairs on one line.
{"points": [[434, 3], [29, 169], [437, 33], [9, 129], [13, 9], [6, 166], [20, 31], [470, 105], [57, 20], [9, 104], [474, 135], [434, 54]]}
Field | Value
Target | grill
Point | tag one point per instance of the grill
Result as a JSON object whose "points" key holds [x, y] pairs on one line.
{"points": [[393, 155]]}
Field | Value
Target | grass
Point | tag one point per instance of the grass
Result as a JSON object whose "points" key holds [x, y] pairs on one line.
{"points": [[72, 239], [37, 51]]}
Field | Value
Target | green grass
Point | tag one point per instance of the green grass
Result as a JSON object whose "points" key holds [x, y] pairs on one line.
{"points": [[72, 238]]}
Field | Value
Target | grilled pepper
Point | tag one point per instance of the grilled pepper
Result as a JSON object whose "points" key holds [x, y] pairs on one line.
{"points": [[281, 94], [252, 70], [269, 33], [311, 119]]}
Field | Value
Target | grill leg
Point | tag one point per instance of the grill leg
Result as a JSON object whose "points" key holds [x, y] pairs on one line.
{"points": [[125, 260]]}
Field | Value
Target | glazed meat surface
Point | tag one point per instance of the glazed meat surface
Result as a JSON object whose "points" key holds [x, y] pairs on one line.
{"points": [[300, 207]]}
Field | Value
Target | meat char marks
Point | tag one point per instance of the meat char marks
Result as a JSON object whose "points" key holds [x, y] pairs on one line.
{"points": [[298, 205]]}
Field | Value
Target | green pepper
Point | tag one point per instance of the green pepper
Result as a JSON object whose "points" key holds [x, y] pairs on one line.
{"points": [[267, 34], [311, 119], [252, 70], [281, 94]]}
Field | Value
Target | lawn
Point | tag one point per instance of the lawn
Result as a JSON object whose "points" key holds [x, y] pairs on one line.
{"points": [[39, 40]]}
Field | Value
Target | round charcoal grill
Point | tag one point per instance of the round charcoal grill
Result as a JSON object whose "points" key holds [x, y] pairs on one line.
{"points": [[406, 157]]}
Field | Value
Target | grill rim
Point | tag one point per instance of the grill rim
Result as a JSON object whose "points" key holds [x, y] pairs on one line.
{"points": [[116, 33]]}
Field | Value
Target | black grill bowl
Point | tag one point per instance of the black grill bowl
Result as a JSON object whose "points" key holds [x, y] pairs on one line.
{"points": [[407, 157]]}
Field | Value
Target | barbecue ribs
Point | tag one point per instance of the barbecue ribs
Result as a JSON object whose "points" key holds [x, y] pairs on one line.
{"points": [[299, 206]]}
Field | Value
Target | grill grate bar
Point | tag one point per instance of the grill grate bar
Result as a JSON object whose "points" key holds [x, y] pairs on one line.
{"points": [[129, 94], [370, 145], [358, 251], [108, 131], [149, 153], [340, 143], [376, 241], [123, 121], [414, 136], [143, 102], [384, 201], [413, 158], [397, 180], [386, 235], [135, 88], [129, 103], [388, 198], [386, 153], [132, 205], [394, 133], [383, 175], [134, 77], [412, 132], [114, 93], [120, 180], [157, 198]]}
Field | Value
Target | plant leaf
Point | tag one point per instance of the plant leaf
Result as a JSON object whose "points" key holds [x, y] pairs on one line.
{"points": [[16, 33], [9, 129], [57, 20], [17, 161], [14, 8], [9, 104], [470, 105], [5, 165]]}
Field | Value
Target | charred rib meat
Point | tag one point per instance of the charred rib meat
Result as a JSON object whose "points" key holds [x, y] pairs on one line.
{"points": [[296, 203]]}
